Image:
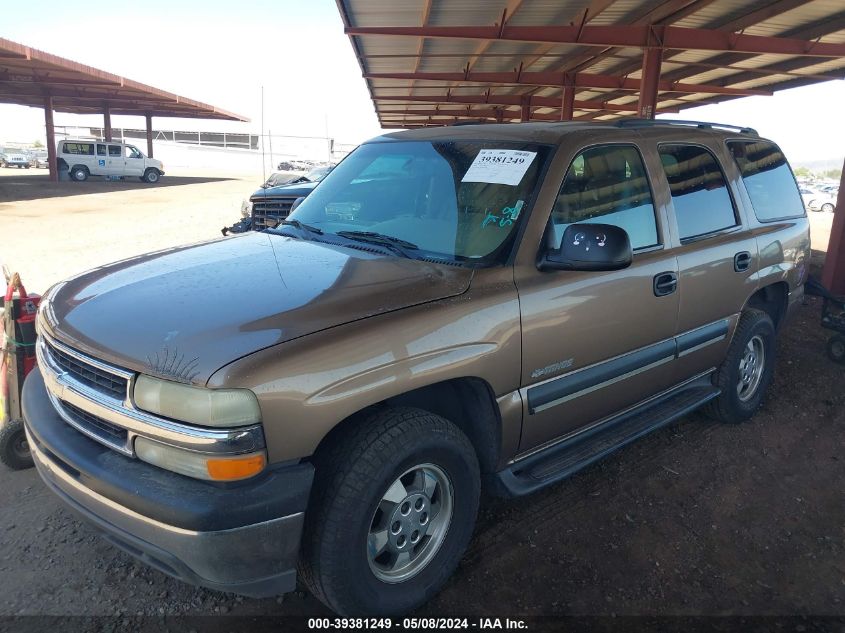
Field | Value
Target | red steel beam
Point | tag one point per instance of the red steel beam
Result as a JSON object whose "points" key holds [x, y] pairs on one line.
{"points": [[567, 103], [106, 122], [148, 118], [621, 36], [516, 100], [491, 113], [649, 83], [51, 139], [833, 273], [558, 79]]}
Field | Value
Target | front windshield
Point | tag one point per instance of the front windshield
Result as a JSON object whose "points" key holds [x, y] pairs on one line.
{"points": [[461, 200]]}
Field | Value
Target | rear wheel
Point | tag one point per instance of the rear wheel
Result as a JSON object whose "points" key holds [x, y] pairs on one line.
{"points": [[14, 448], [79, 173], [836, 348], [747, 370], [827, 207], [393, 509]]}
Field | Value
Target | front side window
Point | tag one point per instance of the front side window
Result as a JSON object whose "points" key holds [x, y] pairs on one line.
{"points": [[607, 185], [131, 152], [84, 149], [699, 192], [461, 200], [768, 180]]}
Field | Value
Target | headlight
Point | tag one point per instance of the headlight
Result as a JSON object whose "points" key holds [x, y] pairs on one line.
{"points": [[197, 405], [200, 465]]}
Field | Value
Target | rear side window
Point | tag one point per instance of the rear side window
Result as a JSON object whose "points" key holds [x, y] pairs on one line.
{"points": [[115, 150], [101, 150], [768, 179], [607, 185], [699, 192], [85, 149]]}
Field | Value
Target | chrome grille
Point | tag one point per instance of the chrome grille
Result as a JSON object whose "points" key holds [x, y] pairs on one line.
{"points": [[93, 426], [94, 377], [265, 208]]}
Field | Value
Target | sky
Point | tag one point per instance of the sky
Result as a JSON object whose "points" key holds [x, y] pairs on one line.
{"points": [[223, 52]]}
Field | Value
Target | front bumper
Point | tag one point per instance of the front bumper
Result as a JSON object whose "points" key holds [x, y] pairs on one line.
{"points": [[242, 538]]}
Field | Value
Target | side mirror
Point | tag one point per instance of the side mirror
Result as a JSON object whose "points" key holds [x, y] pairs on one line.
{"points": [[296, 203], [590, 247]]}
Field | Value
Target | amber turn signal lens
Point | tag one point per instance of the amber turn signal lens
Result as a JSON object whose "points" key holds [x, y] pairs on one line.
{"points": [[231, 469]]}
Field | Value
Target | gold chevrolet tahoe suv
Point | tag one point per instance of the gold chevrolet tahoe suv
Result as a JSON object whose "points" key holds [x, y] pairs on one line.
{"points": [[452, 308]]}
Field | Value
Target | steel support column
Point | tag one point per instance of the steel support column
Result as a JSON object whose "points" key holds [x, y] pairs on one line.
{"points": [[567, 103], [833, 274], [106, 122], [51, 139], [647, 106], [149, 119], [526, 110]]}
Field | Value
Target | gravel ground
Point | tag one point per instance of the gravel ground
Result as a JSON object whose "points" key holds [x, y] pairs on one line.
{"points": [[698, 518]]}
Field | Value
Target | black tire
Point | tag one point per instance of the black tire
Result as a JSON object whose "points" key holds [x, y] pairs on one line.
{"points": [[151, 176], [79, 173], [353, 473], [14, 450], [827, 207], [836, 348], [731, 407]]}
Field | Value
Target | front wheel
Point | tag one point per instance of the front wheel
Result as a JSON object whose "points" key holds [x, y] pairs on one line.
{"points": [[747, 370], [151, 176], [393, 508]]}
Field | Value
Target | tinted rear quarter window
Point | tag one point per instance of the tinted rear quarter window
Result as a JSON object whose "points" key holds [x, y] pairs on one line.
{"points": [[85, 149], [699, 191], [768, 179]]}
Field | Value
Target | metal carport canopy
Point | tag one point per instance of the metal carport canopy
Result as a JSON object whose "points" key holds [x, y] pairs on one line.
{"points": [[433, 62], [34, 78]]}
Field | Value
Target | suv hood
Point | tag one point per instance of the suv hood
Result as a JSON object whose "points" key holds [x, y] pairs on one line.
{"points": [[294, 190], [184, 313]]}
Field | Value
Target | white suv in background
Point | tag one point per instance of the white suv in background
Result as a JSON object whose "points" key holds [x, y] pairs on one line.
{"points": [[85, 158]]}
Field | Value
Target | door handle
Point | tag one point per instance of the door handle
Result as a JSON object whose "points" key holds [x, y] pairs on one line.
{"points": [[665, 284], [742, 261]]}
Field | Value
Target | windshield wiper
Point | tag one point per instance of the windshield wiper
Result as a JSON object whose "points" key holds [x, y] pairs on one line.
{"points": [[301, 226], [396, 244]]}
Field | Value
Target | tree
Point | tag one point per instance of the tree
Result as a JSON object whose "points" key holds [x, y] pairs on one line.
{"points": [[836, 174], [803, 172], [38, 143]]}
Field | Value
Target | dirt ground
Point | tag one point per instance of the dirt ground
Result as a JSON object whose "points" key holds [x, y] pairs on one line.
{"points": [[698, 518]]}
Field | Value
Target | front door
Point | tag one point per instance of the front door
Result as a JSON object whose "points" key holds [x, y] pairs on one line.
{"points": [[595, 343], [134, 161]]}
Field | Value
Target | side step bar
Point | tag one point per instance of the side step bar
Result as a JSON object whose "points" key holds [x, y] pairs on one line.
{"points": [[569, 456]]}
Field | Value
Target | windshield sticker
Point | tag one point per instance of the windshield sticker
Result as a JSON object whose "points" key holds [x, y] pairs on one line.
{"points": [[499, 166], [507, 216]]}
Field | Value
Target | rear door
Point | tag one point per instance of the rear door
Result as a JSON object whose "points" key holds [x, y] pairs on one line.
{"points": [[595, 343], [102, 160], [115, 160], [717, 252]]}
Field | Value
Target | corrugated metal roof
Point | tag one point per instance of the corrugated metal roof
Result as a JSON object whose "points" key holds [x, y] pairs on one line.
{"points": [[28, 76], [412, 54]]}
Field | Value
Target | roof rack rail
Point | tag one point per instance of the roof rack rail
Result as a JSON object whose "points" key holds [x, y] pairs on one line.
{"points": [[699, 124]]}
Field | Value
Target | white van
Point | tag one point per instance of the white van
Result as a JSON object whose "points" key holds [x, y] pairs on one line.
{"points": [[85, 158]]}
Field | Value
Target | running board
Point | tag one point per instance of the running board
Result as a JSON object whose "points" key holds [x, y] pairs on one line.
{"points": [[569, 456]]}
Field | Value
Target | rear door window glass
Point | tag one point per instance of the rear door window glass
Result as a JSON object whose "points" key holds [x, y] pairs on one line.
{"points": [[768, 179], [101, 149], [115, 150], [700, 194], [607, 185], [85, 149]]}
